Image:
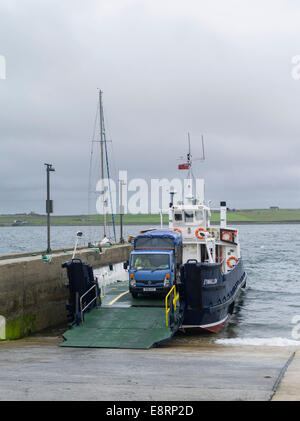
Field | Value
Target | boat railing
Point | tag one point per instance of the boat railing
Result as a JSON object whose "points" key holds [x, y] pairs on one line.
{"points": [[82, 310], [170, 302]]}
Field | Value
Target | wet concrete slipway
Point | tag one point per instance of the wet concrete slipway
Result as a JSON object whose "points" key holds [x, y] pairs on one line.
{"points": [[36, 368]]}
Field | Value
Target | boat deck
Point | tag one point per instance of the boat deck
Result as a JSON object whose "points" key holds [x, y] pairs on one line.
{"points": [[121, 322]]}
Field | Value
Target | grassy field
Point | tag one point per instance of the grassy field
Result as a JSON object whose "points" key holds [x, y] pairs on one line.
{"points": [[240, 216]]}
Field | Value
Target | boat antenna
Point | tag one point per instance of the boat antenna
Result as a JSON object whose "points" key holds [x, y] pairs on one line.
{"points": [[189, 157], [203, 155], [189, 160], [188, 164]]}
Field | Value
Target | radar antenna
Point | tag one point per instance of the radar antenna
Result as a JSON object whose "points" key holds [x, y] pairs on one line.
{"points": [[187, 165]]}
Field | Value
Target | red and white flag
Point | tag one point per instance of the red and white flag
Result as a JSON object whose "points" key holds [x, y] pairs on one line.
{"points": [[183, 166]]}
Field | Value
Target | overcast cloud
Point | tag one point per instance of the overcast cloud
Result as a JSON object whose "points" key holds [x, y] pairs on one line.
{"points": [[166, 67]]}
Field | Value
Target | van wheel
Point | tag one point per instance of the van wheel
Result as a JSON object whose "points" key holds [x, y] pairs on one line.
{"points": [[134, 294]]}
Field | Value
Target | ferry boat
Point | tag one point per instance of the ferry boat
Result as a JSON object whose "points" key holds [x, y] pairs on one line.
{"points": [[210, 279], [212, 274]]}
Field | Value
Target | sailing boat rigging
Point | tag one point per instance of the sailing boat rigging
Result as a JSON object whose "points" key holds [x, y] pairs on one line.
{"points": [[105, 171]]}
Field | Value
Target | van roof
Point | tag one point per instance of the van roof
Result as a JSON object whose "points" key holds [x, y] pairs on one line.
{"points": [[161, 233]]}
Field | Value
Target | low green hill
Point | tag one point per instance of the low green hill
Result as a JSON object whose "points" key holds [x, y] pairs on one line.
{"points": [[237, 216]]}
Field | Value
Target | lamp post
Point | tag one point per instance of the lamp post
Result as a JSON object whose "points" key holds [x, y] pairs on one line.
{"points": [[121, 210], [49, 205]]}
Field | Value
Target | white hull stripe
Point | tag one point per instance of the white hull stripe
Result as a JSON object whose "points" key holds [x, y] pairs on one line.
{"points": [[209, 325]]}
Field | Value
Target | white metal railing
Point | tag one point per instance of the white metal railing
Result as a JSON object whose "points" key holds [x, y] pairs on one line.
{"points": [[81, 298]]}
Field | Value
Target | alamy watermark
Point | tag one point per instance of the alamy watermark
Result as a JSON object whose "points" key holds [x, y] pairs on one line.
{"points": [[296, 329], [295, 73], [141, 196], [2, 67]]}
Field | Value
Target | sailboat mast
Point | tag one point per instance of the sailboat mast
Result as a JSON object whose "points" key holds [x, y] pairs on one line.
{"points": [[102, 159]]}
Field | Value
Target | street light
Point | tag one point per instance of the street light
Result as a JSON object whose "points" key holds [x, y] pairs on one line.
{"points": [[78, 236], [49, 205]]}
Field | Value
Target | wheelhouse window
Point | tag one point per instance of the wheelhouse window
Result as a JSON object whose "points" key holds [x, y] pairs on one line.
{"points": [[199, 215], [178, 216], [189, 216]]}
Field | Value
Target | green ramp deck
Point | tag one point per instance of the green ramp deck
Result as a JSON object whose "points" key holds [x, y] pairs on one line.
{"points": [[121, 322], [134, 327]]}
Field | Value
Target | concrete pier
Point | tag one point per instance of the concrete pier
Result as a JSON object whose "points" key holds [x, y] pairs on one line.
{"points": [[33, 292], [36, 368]]}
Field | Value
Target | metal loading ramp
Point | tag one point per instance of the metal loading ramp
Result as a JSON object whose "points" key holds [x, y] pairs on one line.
{"points": [[123, 322], [134, 327]]}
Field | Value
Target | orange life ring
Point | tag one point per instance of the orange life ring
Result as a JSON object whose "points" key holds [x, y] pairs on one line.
{"points": [[231, 258], [197, 233], [228, 233], [178, 230]]}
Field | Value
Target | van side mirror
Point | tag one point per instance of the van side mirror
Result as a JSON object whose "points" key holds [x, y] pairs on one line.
{"points": [[125, 265]]}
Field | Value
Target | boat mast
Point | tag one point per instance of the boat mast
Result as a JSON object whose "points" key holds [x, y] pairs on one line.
{"points": [[190, 180], [189, 157], [102, 159], [189, 188]]}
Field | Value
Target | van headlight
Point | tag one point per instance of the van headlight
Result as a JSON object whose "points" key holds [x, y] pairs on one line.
{"points": [[132, 280], [167, 280]]}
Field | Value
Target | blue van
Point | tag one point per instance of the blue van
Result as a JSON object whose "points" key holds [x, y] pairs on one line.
{"points": [[154, 263]]}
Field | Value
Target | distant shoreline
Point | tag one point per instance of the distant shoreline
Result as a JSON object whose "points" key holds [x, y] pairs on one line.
{"points": [[234, 217], [154, 224]]}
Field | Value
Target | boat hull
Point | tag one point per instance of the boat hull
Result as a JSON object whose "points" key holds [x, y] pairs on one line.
{"points": [[208, 296], [210, 327]]}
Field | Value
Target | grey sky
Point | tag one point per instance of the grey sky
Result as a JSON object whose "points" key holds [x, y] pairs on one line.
{"points": [[221, 68]]}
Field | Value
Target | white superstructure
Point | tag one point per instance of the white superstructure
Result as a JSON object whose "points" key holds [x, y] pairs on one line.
{"points": [[201, 241]]}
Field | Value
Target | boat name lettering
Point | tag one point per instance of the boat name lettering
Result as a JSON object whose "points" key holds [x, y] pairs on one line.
{"points": [[210, 281]]}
